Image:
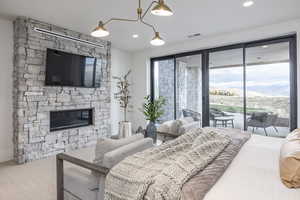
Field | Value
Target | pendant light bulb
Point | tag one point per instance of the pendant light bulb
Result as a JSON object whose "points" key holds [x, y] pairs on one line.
{"points": [[161, 9], [100, 31], [157, 40]]}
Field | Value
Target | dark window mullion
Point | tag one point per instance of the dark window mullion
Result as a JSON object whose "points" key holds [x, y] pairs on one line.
{"points": [[152, 79], [205, 89], [244, 88], [293, 83], [175, 88]]}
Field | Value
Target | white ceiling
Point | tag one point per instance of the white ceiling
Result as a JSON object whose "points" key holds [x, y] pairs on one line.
{"points": [[208, 17]]}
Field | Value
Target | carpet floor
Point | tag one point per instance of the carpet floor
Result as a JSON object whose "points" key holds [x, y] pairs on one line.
{"points": [[34, 180]]}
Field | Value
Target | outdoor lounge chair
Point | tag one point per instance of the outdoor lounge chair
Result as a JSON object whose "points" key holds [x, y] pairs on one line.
{"points": [[262, 120]]}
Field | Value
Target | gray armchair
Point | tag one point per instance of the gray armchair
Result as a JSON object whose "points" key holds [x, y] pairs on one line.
{"points": [[172, 129], [85, 179]]}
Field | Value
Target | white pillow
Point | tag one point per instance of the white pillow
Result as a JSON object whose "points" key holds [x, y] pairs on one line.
{"points": [[171, 127]]}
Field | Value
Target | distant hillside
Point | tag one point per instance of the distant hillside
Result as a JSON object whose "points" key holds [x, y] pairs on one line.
{"points": [[259, 91]]}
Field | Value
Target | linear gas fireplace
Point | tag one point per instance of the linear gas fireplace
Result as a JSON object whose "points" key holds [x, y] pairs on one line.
{"points": [[66, 119]]}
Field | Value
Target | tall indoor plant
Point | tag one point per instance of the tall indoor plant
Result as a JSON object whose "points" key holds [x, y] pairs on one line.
{"points": [[123, 97], [153, 110]]}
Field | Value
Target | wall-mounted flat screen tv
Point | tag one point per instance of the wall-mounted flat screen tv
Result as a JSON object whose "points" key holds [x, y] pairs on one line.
{"points": [[66, 69]]}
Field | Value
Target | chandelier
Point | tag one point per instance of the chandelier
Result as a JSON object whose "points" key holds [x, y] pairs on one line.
{"points": [[159, 8]]}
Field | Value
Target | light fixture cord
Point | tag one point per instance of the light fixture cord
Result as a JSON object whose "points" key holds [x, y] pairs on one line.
{"points": [[152, 3]]}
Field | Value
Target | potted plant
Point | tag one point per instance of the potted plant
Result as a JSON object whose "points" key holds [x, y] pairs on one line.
{"points": [[123, 96], [153, 110]]}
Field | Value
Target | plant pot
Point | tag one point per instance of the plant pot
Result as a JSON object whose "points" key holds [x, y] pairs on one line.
{"points": [[124, 129], [151, 131]]}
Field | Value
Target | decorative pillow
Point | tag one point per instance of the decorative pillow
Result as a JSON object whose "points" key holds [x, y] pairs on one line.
{"points": [[289, 162], [171, 126], [163, 128], [105, 145], [295, 135]]}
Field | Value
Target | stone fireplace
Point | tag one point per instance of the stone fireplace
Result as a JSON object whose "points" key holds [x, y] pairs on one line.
{"points": [[36, 106]]}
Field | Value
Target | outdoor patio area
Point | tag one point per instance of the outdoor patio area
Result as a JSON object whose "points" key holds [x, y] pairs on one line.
{"points": [[238, 122]]}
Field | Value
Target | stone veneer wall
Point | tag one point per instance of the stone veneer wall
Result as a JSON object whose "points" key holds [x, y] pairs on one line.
{"points": [[188, 88], [181, 88], [194, 89], [166, 87], [33, 101]]}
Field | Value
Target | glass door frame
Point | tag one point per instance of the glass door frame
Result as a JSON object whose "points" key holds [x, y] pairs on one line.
{"points": [[291, 39]]}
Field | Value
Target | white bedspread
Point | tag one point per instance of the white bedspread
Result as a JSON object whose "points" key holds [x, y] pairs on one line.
{"points": [[254, 174]]}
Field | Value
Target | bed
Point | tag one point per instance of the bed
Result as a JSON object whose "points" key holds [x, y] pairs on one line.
{"points": [[254, 174]]}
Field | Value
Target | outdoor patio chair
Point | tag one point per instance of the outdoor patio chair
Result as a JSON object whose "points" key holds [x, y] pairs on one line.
{"points": [[218, 115], [262, 120]]}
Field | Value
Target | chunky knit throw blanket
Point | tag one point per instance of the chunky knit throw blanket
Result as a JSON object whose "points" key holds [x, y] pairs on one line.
{"points": [[159, 173], [197, 187]]}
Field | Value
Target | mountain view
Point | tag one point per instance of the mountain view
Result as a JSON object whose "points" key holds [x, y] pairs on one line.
{"points": [[261, 80]]}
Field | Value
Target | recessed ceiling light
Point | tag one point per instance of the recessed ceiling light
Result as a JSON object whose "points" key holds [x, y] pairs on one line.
{"points": [[248, 3], [265, 46], [135, 35]]}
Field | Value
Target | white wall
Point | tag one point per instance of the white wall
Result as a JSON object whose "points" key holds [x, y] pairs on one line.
{"points": [[120, 64], [141, 60], [6, 69]]}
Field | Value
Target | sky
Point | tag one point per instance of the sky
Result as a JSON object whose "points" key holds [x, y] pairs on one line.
{"points": [[269, 80]]}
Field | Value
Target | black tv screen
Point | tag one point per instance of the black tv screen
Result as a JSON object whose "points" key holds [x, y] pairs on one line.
{"points": [[66, 69]]}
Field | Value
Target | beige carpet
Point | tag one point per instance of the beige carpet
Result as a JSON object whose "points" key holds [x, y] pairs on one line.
{"points": [[31, 181], [35, 180]]}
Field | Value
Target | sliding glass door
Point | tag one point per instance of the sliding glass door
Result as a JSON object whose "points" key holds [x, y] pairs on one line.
{"points": [[268, 89], [249, 86]]}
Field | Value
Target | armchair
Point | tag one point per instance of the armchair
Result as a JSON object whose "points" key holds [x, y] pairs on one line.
{"points": [[174, 128], [85, 180]]}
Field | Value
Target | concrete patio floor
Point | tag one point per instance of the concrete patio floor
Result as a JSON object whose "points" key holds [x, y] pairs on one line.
{"points": [[271, 132]]}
